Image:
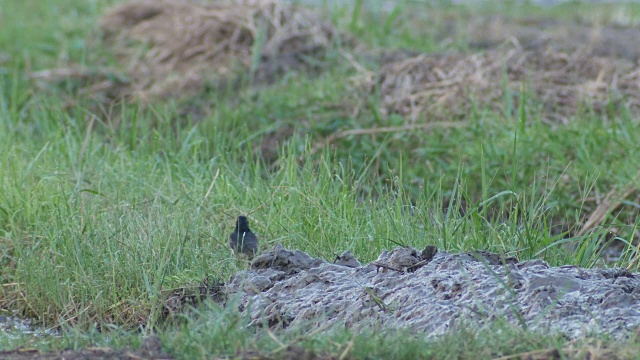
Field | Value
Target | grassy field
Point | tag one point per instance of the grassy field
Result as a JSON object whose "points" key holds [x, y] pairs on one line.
{"points": [[100, 218]]}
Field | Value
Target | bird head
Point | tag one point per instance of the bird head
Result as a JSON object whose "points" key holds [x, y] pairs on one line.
{"points": [[242, 224]]}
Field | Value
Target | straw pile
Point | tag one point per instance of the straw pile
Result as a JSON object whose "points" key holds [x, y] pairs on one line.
{"points": [[177, 48], [557, 83]]}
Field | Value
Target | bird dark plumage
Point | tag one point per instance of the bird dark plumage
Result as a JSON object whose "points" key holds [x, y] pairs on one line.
{"points": [[242, 241]]}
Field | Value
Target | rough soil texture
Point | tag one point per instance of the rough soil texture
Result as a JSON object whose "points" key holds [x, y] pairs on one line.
{"points": [[434, 293]]}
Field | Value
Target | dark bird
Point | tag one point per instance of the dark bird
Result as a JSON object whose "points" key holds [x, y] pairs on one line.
{"points": [[242, 241]]}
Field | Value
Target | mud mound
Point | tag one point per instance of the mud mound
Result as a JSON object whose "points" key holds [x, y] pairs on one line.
{"points": [[558, 82], [290, 288]]}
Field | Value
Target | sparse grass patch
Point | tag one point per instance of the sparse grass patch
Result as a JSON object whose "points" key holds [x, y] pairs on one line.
{"points": [[498, 340]]}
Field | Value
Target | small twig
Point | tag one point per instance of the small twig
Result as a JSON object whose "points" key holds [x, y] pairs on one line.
{"points": [[376, 299], [611, 202], [526, 355], [354, 63], [277, 341], [348, 348], [418, 265], [382, 130], [386, 267], [215, 177], [397, 243]]}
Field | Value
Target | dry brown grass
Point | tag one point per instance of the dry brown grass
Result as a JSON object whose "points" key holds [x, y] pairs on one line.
{"points": [[185, 43], [175, 49], [561, 82]]}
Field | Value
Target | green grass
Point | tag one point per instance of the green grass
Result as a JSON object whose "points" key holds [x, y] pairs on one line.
{"points": [[214, 331], [99, 217]]}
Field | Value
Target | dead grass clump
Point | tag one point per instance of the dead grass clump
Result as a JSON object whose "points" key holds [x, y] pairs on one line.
{"points": [[173, 48], [560, 82]]}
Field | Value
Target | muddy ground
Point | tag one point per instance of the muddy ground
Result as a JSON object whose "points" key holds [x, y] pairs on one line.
{"points": [[430, 292], [433, 293]]}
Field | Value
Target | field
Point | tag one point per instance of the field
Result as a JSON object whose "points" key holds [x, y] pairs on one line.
{"points": [[131, 138]]}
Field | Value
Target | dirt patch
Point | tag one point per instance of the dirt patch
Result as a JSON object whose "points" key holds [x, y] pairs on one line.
{"points": [[150, 349], [486, 32], [181, 48], [180, 300], [558, 83], [272, 142], [433, 293]]}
